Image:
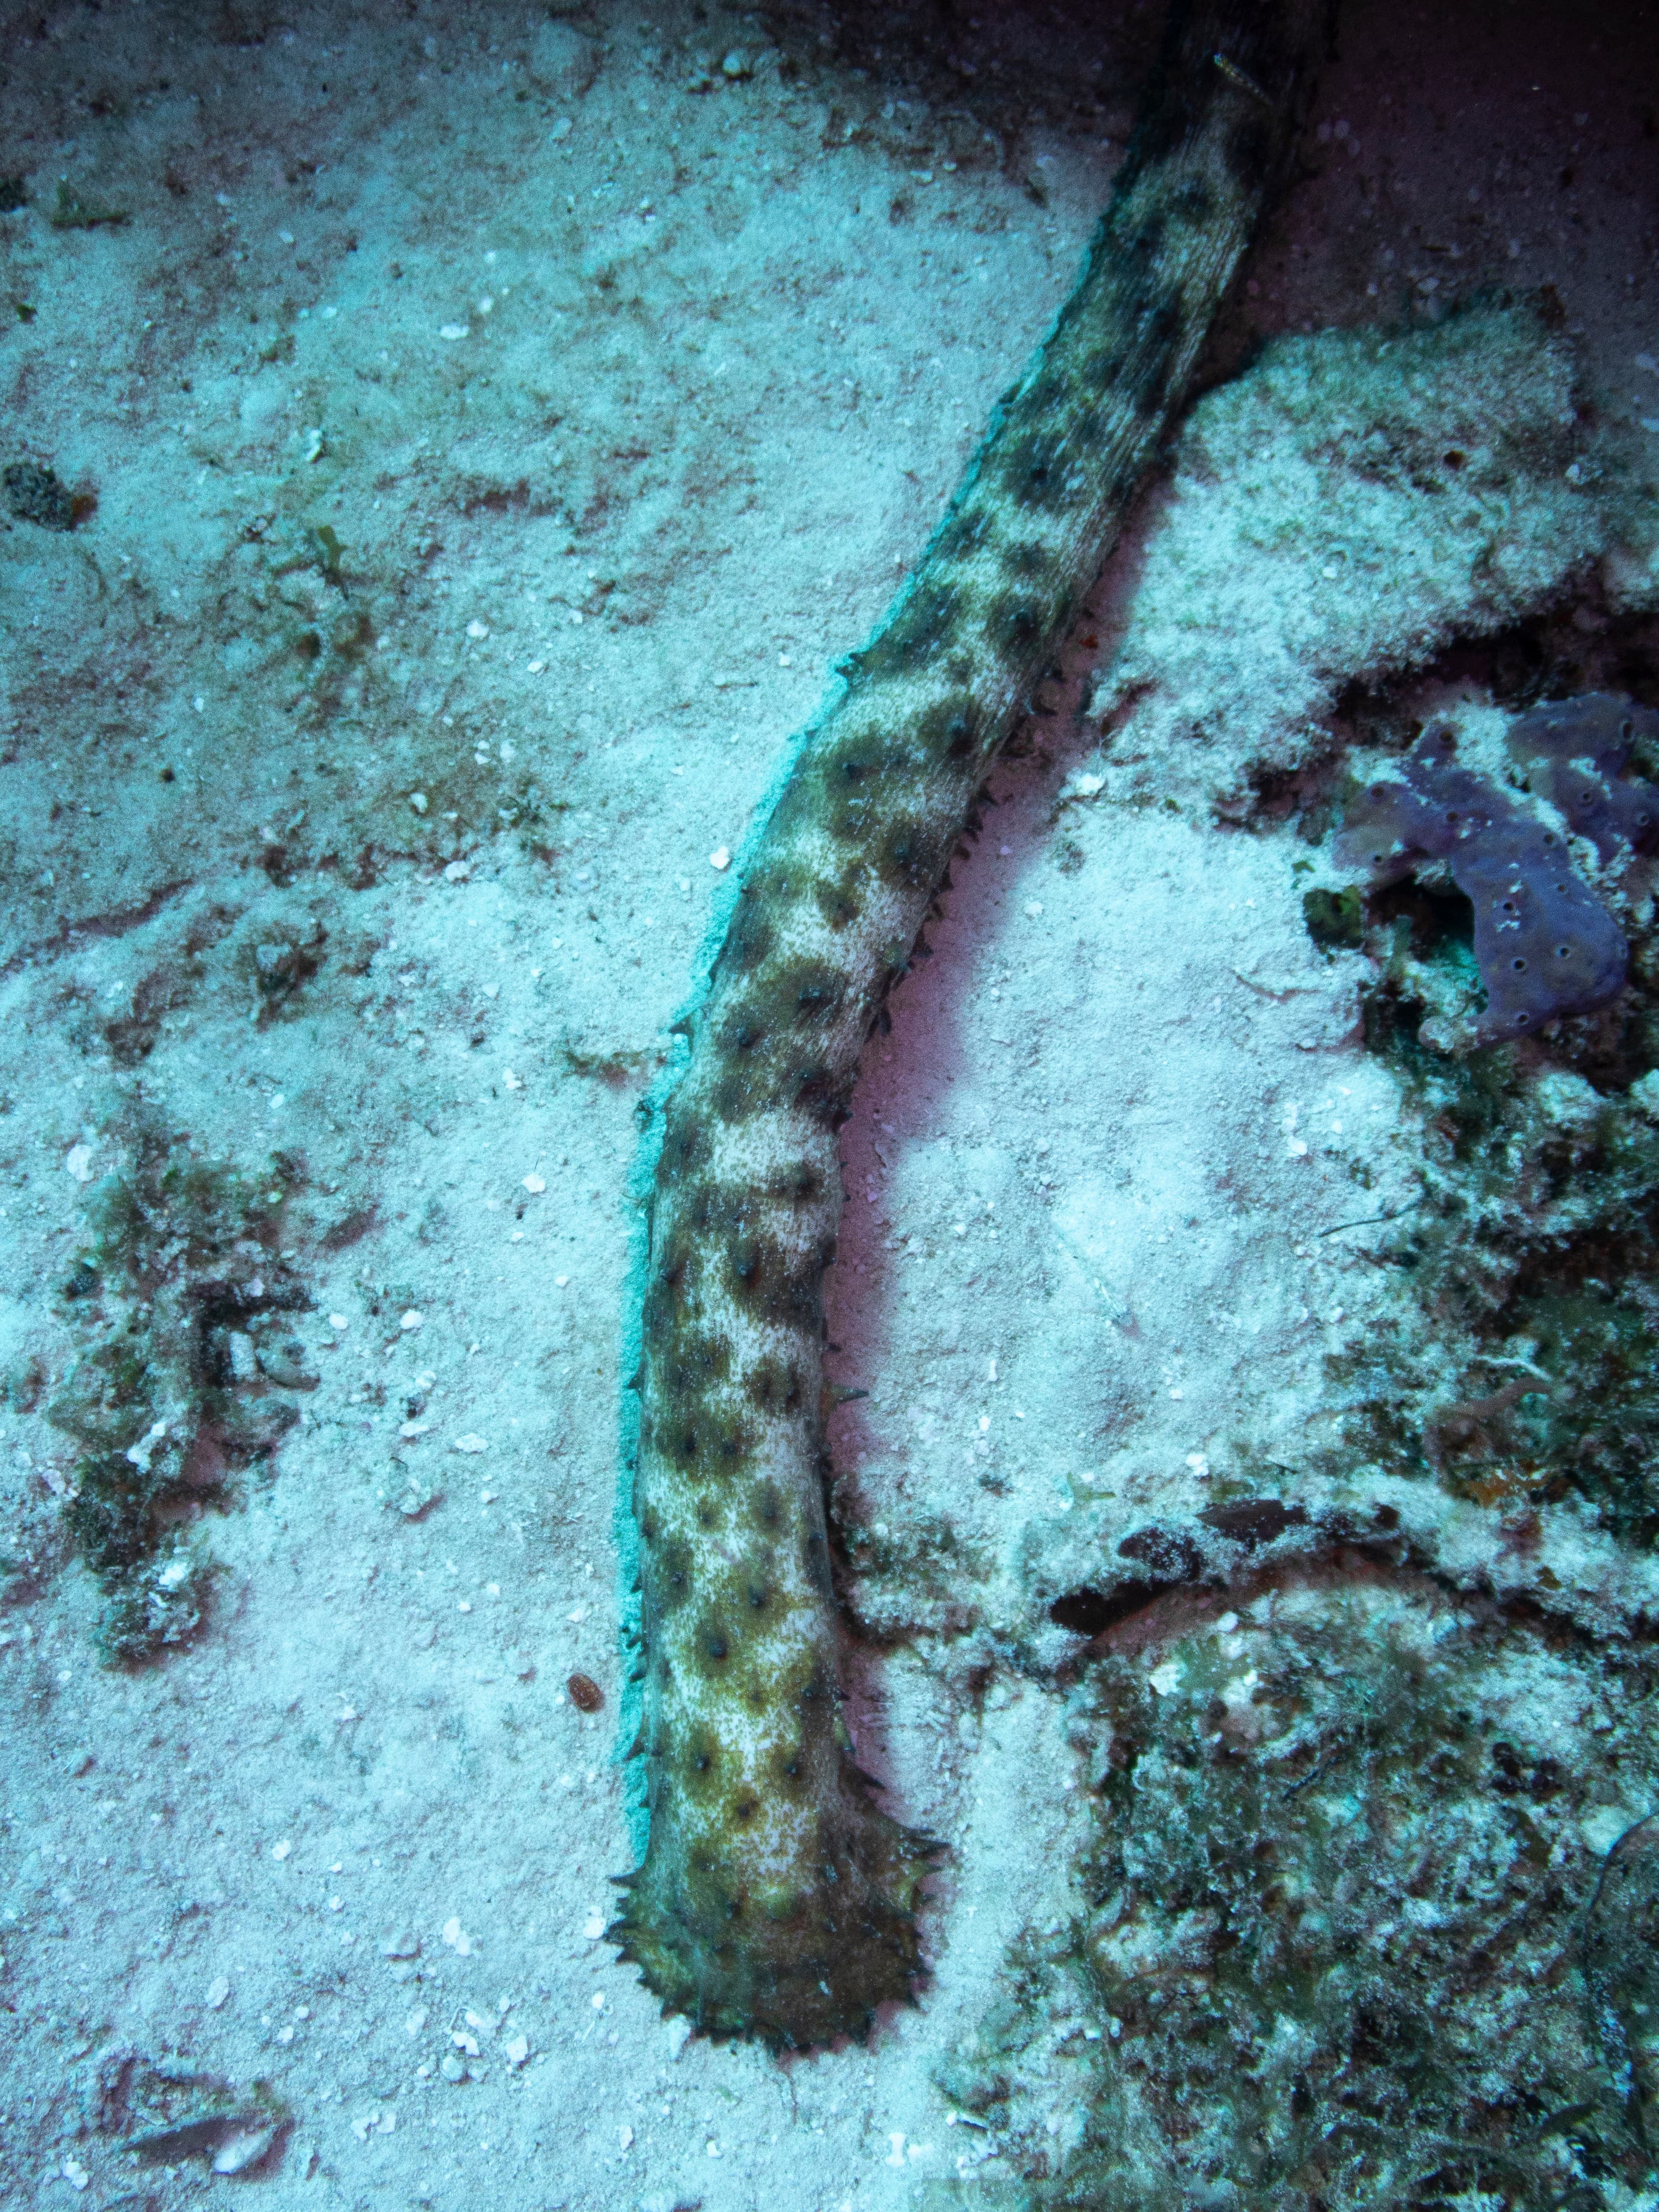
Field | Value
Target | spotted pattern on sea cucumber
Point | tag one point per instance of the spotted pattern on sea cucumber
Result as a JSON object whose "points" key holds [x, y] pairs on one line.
{"points": [[775, 1899]]}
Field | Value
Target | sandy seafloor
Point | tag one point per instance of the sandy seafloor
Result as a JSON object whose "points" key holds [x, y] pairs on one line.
{"points": [[629, 379]]}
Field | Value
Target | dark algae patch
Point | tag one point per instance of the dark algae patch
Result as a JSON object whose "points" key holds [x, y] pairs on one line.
{"points": [[35, 494], [187, 1373], [1518, 1368], [1324, 1940]]}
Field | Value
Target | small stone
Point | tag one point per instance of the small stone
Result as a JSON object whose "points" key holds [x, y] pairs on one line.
{"points": [[678, 2033], [737, 65], [535, 1184], [477, 629], [585, 1694], [563, 62], [417, 799], [402, 1943], [218, 1990], [243, 2149], [457, 1938], [458, 872], [281, 1850], [454, 2067], [518, 2051], [1603, 1826], [454, 330], [411, 1320], [469, 1443]]}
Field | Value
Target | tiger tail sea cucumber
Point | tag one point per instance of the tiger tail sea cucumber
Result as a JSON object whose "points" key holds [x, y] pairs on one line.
{"points": [[775, 1899]]}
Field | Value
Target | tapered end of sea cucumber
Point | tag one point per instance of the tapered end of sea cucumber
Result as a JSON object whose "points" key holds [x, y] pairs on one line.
{"points": [[800, 1964]]}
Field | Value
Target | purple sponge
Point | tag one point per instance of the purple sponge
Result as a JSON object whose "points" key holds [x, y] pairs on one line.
{"points": [[1543, 941], [1573, 752]]}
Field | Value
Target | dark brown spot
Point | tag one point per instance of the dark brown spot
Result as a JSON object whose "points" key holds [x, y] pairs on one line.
{"points": [[778, 1282], [749, 941], [695, 1361], [799, 1180], [911, 853], [839, 902], [1016, 625], [947, 731], [744, 1031], [772, 1384], [688, 1141]]}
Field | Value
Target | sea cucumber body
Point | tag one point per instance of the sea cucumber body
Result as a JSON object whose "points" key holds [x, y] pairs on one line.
{"points": [[775, 1898]]}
